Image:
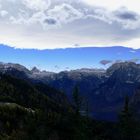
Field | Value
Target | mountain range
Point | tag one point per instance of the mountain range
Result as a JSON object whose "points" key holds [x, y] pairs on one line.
{"points": [[105, 90]]}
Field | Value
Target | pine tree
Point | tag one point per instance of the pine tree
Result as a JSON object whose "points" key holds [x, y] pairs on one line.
{"points": [[77, 100], [87, 109], [127, 128]]}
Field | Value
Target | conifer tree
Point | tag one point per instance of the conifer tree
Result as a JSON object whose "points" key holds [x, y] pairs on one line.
{"points": [[127, 128], [77, 100]]}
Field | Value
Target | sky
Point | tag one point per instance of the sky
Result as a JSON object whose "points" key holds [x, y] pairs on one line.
{"points": [[51, 24], [57, 35], [56, 60]]}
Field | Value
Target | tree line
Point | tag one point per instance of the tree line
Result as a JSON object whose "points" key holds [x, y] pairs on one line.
{"points": [[26, 114]]}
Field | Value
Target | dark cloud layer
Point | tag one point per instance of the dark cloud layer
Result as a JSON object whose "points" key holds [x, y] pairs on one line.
{"points": [[105, 62], [127, 15], [50, 21]]}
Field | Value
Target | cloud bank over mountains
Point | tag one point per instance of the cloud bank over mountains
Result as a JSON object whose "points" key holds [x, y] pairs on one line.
{"points": [[42, 24]]}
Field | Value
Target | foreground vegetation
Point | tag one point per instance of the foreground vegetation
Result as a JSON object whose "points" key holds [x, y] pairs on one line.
{"points": [[29, 112]]}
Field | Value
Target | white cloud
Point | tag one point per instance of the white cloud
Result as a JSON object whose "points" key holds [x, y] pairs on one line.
{"points": [[115, 4], [59, 14], [105, 10], [134, 43], [132, 51], [64, 13], [127, 19], [40, 5], [59, 24], [3, 13]]}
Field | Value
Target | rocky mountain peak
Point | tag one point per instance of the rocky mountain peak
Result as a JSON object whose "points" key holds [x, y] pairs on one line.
{"points": [[123, 66], [35, 70], [4, 67]]}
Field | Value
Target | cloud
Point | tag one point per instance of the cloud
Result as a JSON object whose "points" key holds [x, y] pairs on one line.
{"points": [[112, 5], [59, 24], [67, 68], [39, 5], [134, 60], [125, 18], [105, 62], [50, 21], [128, 19], [57, 67], [118, 61], [132, 51], [127, 15], [37, 11], [3, 13], [64, 13]]}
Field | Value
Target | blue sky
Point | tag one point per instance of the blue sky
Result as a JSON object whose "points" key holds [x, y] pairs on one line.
{"points": [[71, 58]]}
